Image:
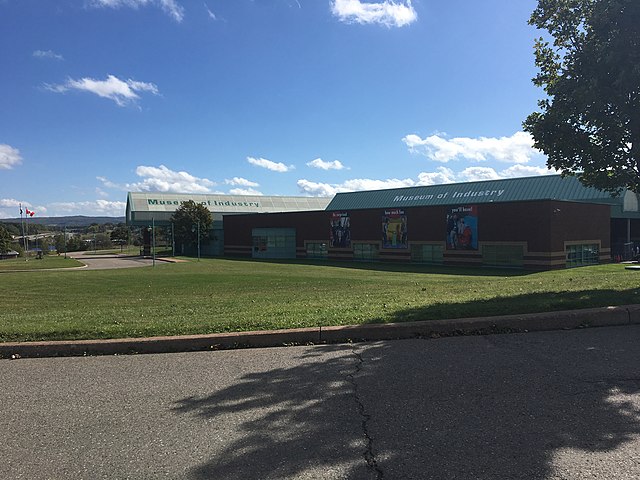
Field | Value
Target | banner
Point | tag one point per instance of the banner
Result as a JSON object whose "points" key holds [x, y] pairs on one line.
{"points": [[394, 229], [340, 233], [462, 228]]}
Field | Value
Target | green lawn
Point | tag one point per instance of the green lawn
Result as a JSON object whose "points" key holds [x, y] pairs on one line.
{"points": [[222, 295], [46, 262]]}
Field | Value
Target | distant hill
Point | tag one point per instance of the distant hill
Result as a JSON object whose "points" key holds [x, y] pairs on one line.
{"points": [[71, 221]]}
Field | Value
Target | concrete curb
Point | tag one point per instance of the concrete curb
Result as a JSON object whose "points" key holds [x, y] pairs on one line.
{"points": [[570, 319]]}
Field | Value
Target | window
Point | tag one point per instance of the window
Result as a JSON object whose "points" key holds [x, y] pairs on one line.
{"points": [[503, 255], [365, 251], [274, 243], [584, 254], [427, 253], [259, 244], [317, 250]]}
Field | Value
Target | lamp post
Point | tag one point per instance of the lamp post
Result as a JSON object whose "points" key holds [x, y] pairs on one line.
{"points": [[192, 230], [153, 240], [173, 241]]}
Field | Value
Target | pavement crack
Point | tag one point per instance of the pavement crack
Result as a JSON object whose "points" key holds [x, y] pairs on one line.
{"points": [[368, 454]]}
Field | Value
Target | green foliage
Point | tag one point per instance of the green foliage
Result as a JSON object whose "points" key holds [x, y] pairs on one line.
{"points": [[102, 240], [12, 228], [5, 240], [59, 242], [120, 234], [75, 243], [185, 223], [589, 124]]}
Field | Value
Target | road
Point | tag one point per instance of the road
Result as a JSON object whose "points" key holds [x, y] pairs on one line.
{"points": [[552, 405]]}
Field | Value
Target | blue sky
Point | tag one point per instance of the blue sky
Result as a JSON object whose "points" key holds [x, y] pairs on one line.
{"points": [[271, 97]]}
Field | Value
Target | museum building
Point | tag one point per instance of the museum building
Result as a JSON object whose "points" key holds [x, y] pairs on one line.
{"points": [[542, 222], [151, 210]]}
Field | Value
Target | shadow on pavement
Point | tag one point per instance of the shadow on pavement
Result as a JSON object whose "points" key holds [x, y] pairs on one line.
{"points": [[505, 407]]}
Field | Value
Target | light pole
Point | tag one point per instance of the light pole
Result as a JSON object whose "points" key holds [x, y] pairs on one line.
{"points": [[153, 239], [192, 230], [173, 241]]}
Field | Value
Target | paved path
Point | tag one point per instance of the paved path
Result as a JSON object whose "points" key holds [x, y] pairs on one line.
{"points": [[551, 405], [103, 262]]}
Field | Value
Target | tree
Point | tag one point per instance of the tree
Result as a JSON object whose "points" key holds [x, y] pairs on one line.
{"points": [[61, 244], [589, 124], [5, 240], [102, 240], [185, 222], [120, 235]]}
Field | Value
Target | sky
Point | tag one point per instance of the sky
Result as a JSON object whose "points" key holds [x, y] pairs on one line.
{"points": [[258, 97]]}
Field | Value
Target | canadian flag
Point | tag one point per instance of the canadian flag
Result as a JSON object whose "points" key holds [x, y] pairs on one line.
{"points": [[30, 213]]}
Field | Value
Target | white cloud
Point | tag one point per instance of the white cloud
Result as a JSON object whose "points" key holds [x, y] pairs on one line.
{"points": [[96, 207], [47, 54], [473, 174], [212, 15], [317, 189], [241, 182], [269, 165], [517, 148], [442, 175], [389, 13], [527, 171], [357, 184], [121, 92], [12, 202], [9, 157], [10, 208], [109, 184], [162, 179], [101, 193], [321, 164], [244, 191], [170, 7]]}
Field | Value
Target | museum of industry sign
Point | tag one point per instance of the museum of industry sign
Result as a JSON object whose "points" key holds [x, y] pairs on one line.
{"points": [[206, 203]]}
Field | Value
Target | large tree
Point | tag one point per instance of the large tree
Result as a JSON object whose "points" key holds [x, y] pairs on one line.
{"points": [[589, 123], [186, 220], [5, 240], [120, 235]]}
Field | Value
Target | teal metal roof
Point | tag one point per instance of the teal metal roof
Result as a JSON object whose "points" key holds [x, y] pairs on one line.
{"points": [[547, 187]]}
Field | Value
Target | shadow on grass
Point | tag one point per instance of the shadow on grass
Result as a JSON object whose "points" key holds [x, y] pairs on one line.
{"points": [[518, 304], [481, 407], [396, 267]]}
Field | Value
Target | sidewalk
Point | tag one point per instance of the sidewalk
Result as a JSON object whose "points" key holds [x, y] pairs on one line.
{"points": [[570, 319]]}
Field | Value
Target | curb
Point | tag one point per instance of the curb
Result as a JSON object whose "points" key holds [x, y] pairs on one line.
{"points": [[563, 320]]}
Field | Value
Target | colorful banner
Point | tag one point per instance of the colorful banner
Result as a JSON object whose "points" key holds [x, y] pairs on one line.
{"points": [[462, 228], [340, 233], [394, 229]]}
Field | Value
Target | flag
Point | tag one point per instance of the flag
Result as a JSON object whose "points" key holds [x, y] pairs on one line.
{"points": [[30, 213], [20, 209]]}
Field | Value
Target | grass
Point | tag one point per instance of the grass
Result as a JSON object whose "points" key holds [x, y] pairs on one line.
{"points": [[223, 295], [46, 262]]}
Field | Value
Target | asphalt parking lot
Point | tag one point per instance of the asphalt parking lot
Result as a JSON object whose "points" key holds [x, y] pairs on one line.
{"points": [[547, 405]]}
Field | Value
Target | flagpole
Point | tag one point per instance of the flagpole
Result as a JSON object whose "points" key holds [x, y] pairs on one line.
{"points": [[24, 239]]}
